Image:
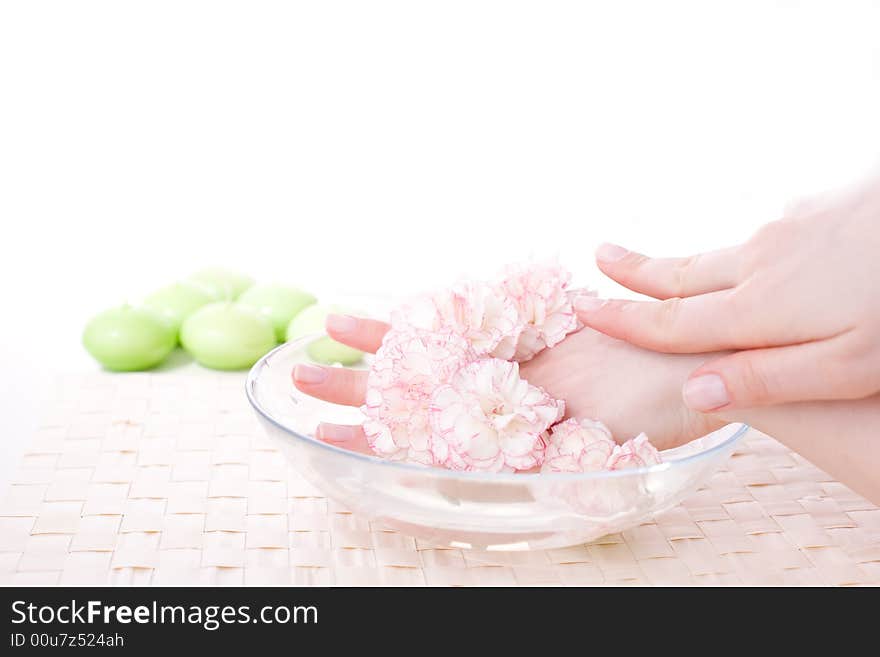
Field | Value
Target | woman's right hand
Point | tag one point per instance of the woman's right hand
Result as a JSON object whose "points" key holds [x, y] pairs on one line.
{"points": [[798, 303]]}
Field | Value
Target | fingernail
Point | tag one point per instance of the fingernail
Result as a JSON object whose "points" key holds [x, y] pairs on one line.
{"points": [[341, 323], [610, 253], [705, 393], [338, 434], [309, 374], [588, 304]]}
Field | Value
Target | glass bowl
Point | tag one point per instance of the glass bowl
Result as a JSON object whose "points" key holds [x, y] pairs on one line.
{"points": [[471, 509]]}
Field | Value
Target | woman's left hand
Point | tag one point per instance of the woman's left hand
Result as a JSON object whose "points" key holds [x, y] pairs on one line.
{"points": [[628, 388]]}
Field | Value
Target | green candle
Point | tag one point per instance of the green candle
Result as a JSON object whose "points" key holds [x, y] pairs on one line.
{"points": [[227, 336], [223, 283], [279, 303], [126, 339], [177, 302], [325, 349]]}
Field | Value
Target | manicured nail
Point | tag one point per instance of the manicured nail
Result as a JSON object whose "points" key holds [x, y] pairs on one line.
{"points": [[610, 253], [338, 434], [341, 324], [309, 374], [588, 304], [705, 393]]}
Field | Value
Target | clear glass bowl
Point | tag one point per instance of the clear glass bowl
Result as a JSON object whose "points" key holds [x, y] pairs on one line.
{"points": [[471, 509]]}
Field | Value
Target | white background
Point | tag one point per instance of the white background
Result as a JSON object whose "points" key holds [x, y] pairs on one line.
{"points": [[385, 147]]}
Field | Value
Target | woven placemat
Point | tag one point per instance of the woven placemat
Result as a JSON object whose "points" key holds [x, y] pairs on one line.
{"points": [[167, 479]]}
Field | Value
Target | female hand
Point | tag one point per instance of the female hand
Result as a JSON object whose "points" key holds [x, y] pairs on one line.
{"points": [[799, 302], [632, 390], [628, 388]]}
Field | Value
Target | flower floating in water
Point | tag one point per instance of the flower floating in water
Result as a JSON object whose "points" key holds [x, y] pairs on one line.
{"points": [[635, 453], [545, 310], [587, 446], [578, 446], [406, 371], [476, 311], [488, 418]]}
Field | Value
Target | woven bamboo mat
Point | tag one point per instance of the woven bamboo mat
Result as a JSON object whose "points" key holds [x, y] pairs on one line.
{"points": [[166, 479]]}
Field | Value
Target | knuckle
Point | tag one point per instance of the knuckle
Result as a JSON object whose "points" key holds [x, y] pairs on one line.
{"points": [[666, 323], [744, 299], [634, 262], [757, 384], [682, 274], [764, 244], [738, 303]]}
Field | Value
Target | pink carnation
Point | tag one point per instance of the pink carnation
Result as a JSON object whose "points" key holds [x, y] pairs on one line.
{"points": [[444, 389], [488, 418], [488, 320], [637, 452], [406, 371], [578, 446], [545, 310]]}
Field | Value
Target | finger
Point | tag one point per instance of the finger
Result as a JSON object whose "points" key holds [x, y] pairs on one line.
{"points": [[708, 322], [358, 332], [761, 377], [333, 384], [664, 278], [349, 436]]}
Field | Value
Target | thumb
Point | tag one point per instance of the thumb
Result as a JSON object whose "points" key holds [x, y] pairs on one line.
{"points": [[778, 375]]}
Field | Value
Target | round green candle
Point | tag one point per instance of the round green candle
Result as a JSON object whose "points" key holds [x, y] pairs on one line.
{"points": [[279, 303], [223, 283], [227, 336], [128, 339], [177, 302], [324, 350]]}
